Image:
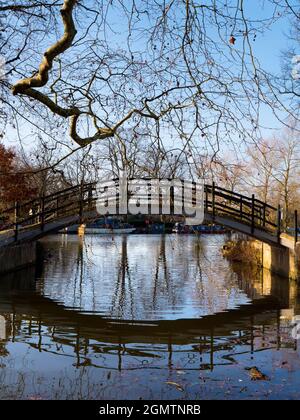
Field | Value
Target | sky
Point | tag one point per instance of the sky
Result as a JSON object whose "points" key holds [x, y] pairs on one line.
{"points": [[268, 49]]}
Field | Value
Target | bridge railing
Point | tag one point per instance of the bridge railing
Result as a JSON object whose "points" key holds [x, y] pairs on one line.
{"points": [[248, 210], [80, 199], [48, 208]]}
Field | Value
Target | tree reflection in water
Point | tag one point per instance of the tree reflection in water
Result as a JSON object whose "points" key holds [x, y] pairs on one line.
{"points": [[162, 277], [105, 313]]}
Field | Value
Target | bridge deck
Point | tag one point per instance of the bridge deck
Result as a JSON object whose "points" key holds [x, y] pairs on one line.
{"points": [[44, 215], [35, 232], [259, 234]]}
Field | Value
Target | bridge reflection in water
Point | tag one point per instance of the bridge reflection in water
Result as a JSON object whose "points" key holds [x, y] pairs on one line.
{"points": [[155, 309]]}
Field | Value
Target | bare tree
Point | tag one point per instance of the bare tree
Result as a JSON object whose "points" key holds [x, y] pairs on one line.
{"points": [[289, 80], [179, 67], [287, 173], [273, 171], [40, 160], [262, 163]]}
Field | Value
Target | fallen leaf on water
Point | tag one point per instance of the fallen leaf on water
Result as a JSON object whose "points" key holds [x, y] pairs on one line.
{"points": [[179, 387], [257, 375]]}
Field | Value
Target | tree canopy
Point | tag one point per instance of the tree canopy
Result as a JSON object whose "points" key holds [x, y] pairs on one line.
{"points": [[186, 67]]}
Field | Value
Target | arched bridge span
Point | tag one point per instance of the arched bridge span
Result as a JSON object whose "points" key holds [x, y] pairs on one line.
{"points": [[31, 220]]}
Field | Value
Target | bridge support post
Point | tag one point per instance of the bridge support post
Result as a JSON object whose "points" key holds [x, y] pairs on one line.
{"points": [[260, 217], [253, 214], [172, 201], [278, 223], [264, 216]]}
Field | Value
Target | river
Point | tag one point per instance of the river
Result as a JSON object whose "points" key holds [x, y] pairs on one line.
{"points": [[146, 317]]}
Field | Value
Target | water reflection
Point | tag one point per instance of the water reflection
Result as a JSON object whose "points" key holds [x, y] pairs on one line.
{"points": [[145, 311], [141, 277]]}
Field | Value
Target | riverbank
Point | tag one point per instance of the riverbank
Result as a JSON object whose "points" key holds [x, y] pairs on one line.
{"points": [[279, 260]]}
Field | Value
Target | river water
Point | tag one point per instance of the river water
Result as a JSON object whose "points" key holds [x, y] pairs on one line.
{"points": [[146, 317]]}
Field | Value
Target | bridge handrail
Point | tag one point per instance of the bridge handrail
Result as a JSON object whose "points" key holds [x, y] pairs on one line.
{"points": [[233, 193], [46, 212], [55, 195], [75, 199], [229, 195]]}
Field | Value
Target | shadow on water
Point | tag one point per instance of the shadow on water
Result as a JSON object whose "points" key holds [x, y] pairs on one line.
{"points": [[145, 317]]}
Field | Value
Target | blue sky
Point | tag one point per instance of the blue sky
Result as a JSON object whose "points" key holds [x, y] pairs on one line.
{"points": [[268, 49]]}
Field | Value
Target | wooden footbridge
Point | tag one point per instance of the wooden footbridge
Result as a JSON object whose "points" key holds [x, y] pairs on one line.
{"points": [[31, 220]]}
